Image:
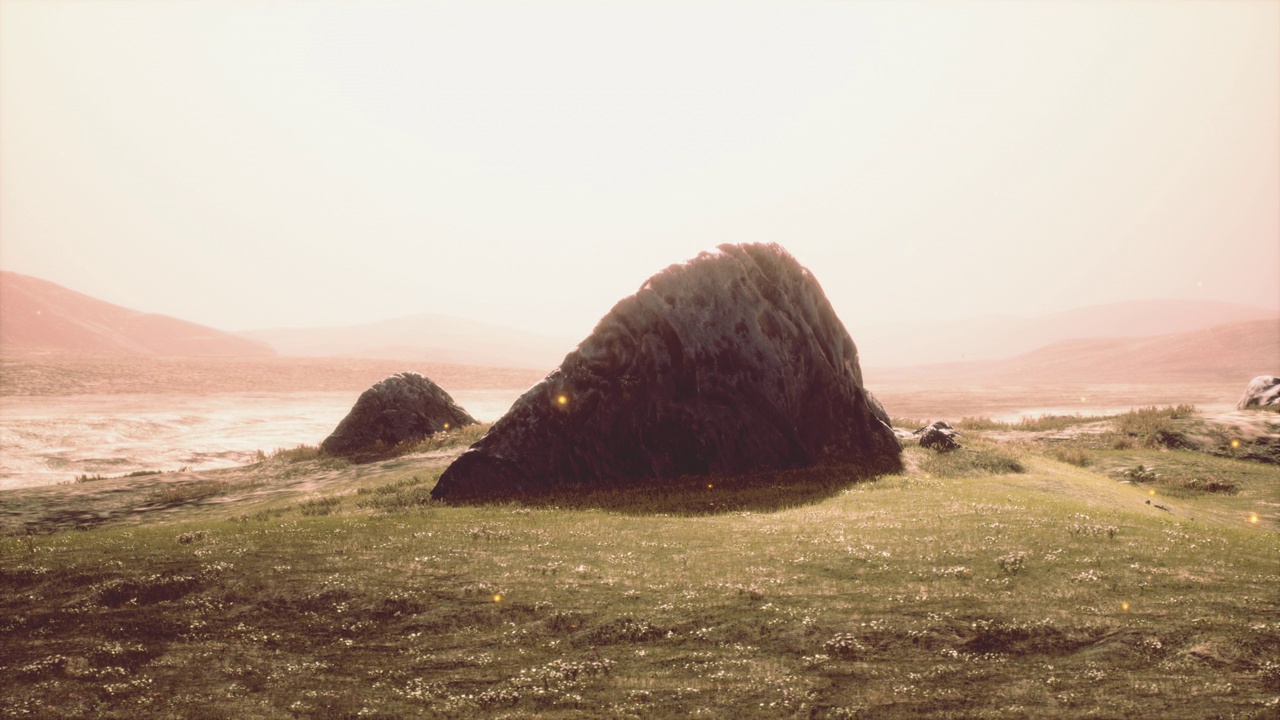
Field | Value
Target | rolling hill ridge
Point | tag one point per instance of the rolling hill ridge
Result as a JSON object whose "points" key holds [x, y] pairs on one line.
{"points": [[41, 316]]}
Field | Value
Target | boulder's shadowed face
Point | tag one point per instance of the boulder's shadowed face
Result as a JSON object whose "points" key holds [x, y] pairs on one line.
{"points": [[732, 362]]}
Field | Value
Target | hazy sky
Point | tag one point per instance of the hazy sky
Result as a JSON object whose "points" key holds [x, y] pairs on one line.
{"points": [[258, 164]]}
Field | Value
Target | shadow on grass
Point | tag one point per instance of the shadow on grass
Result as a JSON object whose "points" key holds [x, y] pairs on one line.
{"points": [[457, 438], [707, 494]]}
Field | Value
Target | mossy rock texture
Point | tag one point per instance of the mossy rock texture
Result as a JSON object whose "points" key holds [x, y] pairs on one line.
{"points": [[402, 408]]}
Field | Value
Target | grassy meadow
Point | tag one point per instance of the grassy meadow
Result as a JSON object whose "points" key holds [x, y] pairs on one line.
{"points": [[1029, 574]]}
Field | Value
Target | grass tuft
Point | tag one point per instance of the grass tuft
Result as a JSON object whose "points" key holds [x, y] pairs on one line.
{"points": [[970, 461], [1028, 424], [319, 505], [405, 494], [1153, 427], [1072, 455]]}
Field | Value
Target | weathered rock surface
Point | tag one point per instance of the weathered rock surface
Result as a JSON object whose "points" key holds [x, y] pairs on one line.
{"points": [[938, 436], [1263, 391], [406, 406], [732, 362]]}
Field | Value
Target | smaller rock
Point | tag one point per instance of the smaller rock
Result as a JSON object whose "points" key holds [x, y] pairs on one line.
{"points": [[938, 436], [403, 407], [1263, 391]]}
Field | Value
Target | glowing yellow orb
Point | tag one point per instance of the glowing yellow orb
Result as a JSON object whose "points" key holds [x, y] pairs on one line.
{"points": [[497, 597], [709, 486], [1124, 606], [1151, 492], [1235, 443], [446, 426], [563, 400], [1253, 517], [1083, 400]]}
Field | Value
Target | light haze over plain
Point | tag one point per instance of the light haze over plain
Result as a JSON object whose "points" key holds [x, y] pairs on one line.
{"points": [[264, 164]]}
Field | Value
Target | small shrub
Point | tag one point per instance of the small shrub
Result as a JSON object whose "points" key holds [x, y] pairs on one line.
{"points": [[844, 646], [1212, 484], [1012, 563], [981, 423], [1140, 474], [301, 453], [973, 461], [399, 495], [1269, 674], [1154, 427], [1093, 530], [1027, 423], [625, 630], [319, 506], [1055, 422], [464, 436], [181, 493], [188, 538], [148, 590], [563, 621], [1072, 456], [1197, 485]]}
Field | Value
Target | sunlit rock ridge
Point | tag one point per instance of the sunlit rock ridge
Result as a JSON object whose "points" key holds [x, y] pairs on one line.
{"points": [[729, 363]]}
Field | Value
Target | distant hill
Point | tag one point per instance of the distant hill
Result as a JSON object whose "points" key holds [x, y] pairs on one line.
{"points": [[1234, 352], [947, 340], [422, 338], [37, 315]]}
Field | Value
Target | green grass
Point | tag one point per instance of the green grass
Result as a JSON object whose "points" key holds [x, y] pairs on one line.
{"points": [[1153, 427], [137, 473], [970, 589], [444, 440], [980, 459], [1027, 423]]}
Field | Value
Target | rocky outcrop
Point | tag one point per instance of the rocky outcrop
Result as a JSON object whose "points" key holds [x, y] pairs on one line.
{"points": [[403, 407], [938, 436], [730, 363], [1263, 391]]}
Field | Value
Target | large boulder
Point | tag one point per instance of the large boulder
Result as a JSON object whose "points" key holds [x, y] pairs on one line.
{"points": [[403, 407], [1263, 391], [729, 363]]}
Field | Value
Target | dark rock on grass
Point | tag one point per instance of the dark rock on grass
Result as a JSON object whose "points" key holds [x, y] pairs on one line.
{"points": [[1263, 391], [730, 363], [402, 408], [938, 436]]}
